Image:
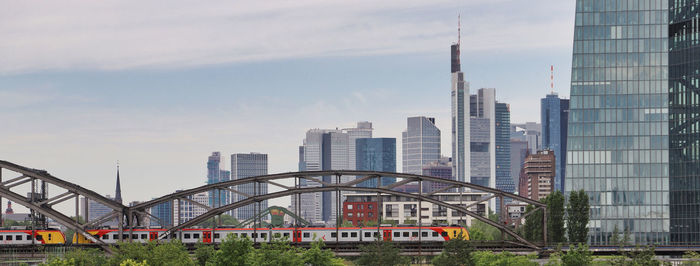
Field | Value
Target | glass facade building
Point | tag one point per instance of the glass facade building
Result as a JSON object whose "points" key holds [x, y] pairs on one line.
{"points": [[460, 119], [504, 180], [245, 165], [420, 145], [555, 117], [376, 154], [684, 126], [618, 132]]}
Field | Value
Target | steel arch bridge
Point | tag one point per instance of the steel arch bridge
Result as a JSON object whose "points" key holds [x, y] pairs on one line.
{"points": [[133, 216]]}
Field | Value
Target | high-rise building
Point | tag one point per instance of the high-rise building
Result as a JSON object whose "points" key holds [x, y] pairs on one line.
{"points": [[163, 212], [96, 210], [420, 145], [483, 138], [684, 110], [442, 169], [530, 132], [518, 152], [216, 174], [539, 170], [555, 117], [460, 118], [363, 130], [504, 179], [376, 154], [245, 165], [184, 211], [633, 110]]}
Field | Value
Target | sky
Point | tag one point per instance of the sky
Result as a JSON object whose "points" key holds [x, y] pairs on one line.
{"points": [[158, 85]]}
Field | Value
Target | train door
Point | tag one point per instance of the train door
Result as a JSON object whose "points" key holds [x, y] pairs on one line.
{"points": [[152, 236], [387, 235], [297, 236], [207, 236]]}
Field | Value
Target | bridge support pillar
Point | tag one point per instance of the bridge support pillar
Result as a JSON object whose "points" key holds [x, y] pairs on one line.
{"points": [[544, 226]]}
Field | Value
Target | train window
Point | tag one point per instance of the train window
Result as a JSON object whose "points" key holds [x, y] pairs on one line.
{"points": [[263, 235], [1, 237], [9, 238], [353, 234], [134, 236], [172, 236], [397, 234], [344, 234], [334, 235], [375, 234], [368, 234], [144, 236], [125, 236], [286, 234], [454, 233], [424, 234], [187, 236], [105, 236], [405, 234], [29, 237], [435, 234], [307, 235], [216, 235], [254, 235], [443, 233], [195, 236], [244, 234], [414, 234], [38, 237]]}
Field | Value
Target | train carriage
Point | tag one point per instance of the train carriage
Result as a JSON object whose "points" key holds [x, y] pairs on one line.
{"points": [[24, 237]]}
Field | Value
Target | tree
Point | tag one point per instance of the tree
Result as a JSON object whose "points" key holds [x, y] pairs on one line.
{"points": [[457, 251], [203, 253], [381, 253], [555, 217], [131, 262], [225, 220], [276, 252], [533, 225], [481, 231], [171, 253], [134, 251], [578, 211], [233, 251], [86, 257], [317, 256], [577, 255]]}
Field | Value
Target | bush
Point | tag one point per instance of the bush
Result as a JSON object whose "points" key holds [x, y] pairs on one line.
{"points": [[488, 258], [381, 253]]}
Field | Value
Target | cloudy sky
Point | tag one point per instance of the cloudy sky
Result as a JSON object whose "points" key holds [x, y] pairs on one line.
{"points": [[159, 85]]}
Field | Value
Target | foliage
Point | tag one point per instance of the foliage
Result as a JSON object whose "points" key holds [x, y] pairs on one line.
{"points": [[381, 253], [59, 262], [481, 231], [172, 253], [232, 251], [134, 251], [533, 225], [316, 255], [86, 257], [457, 251], [276, 252], [578, 211], [577, 255], [409, 221], [556, 233], [637, 257], [369, 223], [203, 253], [694, 256], [346, 223], [488, 258], [131, 262]]}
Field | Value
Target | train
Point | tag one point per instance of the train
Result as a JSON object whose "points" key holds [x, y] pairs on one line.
{"points": [[24, 236], [217, 235]]}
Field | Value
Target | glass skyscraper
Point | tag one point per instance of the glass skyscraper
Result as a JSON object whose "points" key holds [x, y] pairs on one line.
{"points": [[684, 126], [376, 154], [245, 165], [421, 144], [617, 148], [555, 117], [460, 119], [504, 180]]}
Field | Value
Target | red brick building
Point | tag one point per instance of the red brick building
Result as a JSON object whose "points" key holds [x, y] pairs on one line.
{"points": [[360, 212]]}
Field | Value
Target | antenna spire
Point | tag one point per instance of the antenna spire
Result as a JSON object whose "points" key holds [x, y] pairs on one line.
{"points": [[459, 28], [551, 78]]}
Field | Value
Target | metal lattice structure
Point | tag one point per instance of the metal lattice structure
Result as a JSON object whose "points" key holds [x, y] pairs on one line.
{"points": [[42, 206], [140, 210]]}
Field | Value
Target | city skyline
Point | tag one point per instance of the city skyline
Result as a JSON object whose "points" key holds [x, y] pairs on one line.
{"points": [[189, 111]]}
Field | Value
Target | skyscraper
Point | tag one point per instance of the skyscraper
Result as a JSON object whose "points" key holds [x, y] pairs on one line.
{"points": [[504, 179], [618, 137], [555, 117], [245, 165], [460, 118], [441, 168], [214, 175], [483, 137], [376, 154], [363, 130], [420, 145]]}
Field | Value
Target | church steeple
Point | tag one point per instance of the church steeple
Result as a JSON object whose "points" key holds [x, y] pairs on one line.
{"points": [[118, 193]]}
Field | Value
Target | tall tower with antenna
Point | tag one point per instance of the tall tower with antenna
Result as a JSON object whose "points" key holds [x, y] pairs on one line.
{"points": [[460, 113]]}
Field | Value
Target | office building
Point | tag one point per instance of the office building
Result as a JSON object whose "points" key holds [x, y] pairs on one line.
{"points": [[94, 210], [530, 132], [518, 152], [555, 117], [184, 211], [420, 145], [376, 154], [245, 165], [164, 214], [216, 174], [538, 179], [460, 118], [363, 130], [504, 180], [441, 169]]}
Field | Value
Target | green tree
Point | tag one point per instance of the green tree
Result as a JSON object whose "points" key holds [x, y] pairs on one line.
{"points": [[86, 257], [555, 217], [277, 252], [693, 256], [578, 211], [488, 258], [533, 225], [381, 253], [225, 220], [481, 231], [134, 251], [56, 261], [457, 251], [171, 253], [131, 262], [232, 251], [577, 255], [203, 253], [317, 256]]}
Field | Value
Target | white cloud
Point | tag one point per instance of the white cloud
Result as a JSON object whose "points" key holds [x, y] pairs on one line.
{"points": [[110, 34]]}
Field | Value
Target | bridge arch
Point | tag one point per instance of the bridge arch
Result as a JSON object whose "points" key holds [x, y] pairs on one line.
{"points": [[337, 186]]}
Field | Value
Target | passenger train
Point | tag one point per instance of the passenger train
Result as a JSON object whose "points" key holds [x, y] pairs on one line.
{"points": [[216, 235]]}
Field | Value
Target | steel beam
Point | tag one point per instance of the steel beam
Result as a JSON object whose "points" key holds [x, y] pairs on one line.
{"points": [[13, 180], [56, 197], [196, 203]]}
